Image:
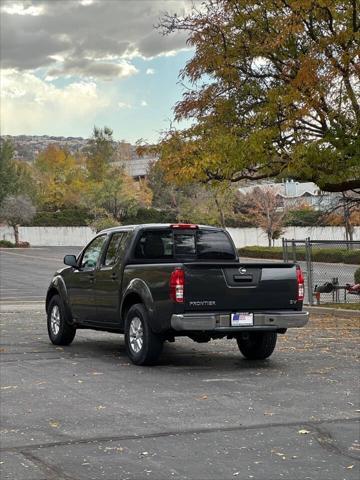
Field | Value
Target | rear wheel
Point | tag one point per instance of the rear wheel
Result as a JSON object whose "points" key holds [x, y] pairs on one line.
{"points": [[142, 345], [59, 330], [257, 345]]}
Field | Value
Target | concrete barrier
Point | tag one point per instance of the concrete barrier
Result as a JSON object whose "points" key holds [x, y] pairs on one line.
{"points": [[243, 237], [78, 236], [50, 236]]}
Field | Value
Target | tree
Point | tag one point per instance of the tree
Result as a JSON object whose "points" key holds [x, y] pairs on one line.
{"points": [[262, 206], [119, 194], [274, 91], [15, 211], [61, 179], [7, 170], [15, 175], [192, 202], [99, 152], [102, 219], [345, 211]]}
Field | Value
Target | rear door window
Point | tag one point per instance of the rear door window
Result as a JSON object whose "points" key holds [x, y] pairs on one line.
{"points": [[115, 249]]}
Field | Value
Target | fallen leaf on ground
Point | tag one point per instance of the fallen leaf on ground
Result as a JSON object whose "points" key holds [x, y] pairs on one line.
{"points": [[303, 431], [54, 423], [203, 397]]}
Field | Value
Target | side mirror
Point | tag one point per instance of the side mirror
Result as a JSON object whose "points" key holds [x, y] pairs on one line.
{"points": [[70, 260]]}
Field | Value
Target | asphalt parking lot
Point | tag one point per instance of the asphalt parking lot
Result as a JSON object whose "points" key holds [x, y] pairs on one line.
{"points": [[84, 412], [25, 273]]}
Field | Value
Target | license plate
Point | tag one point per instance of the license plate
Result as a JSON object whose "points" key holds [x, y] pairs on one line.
{"points": [[242, 319]]}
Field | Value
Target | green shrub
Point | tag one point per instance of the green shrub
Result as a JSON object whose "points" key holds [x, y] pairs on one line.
{"points": [[325, 255], [357, 275], [304, 218], [149, 215], [261, 252], [70, 217], [6, 244], [102, 223]]}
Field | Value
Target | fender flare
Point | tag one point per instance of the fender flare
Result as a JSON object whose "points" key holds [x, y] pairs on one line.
{"points": [[58, 285], [140, 288]]}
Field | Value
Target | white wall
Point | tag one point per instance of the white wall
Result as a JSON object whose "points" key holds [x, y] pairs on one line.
{"points": [[50, 236], [79, 236], [255, 236]]}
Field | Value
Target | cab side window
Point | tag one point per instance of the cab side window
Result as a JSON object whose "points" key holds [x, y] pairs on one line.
{"points": [[92, 252], [115, 249]]}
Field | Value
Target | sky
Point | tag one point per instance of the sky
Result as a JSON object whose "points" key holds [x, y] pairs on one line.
{"points": [[67, 65]]}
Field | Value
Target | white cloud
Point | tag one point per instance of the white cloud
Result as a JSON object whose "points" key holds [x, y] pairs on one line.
{"points": [[84, 33], [124, 105], [30, 104], [144, 103], [18, 8], [150, 71]]}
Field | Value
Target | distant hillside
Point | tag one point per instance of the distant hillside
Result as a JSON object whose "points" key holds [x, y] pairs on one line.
{"points": [[28, 147]]}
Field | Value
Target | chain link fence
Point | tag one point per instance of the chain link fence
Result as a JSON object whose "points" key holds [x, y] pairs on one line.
{"points": [[329, 269]]}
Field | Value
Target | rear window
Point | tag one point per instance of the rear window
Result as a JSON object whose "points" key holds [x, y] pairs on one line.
{"points": [[198, 244], [214, 244]]}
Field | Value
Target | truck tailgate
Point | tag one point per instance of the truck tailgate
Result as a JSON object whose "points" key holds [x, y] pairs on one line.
{"points": [[240, 286]]}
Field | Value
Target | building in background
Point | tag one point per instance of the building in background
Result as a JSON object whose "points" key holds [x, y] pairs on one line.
{"points": [[134, 165], [294, 194]]}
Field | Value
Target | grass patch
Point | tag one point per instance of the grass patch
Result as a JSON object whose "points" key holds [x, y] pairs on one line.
{"points": [[326, 255]]}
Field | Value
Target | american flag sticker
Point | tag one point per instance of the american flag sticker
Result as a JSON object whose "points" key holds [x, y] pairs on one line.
{"points": [[242, 319]]}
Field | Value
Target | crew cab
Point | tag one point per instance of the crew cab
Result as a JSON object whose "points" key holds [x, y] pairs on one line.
{"points": [[157, 282]]}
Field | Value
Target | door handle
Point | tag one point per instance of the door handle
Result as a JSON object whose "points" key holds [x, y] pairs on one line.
{"points": [[242, 278], [92, 277], [114, 276]]}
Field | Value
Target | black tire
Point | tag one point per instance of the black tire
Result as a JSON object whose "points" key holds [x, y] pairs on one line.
{"points": [[257, 345], [59, 330], [148, 350]]}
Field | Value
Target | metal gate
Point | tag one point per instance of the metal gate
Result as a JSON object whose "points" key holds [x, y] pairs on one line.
{"points": [[329, 267]]}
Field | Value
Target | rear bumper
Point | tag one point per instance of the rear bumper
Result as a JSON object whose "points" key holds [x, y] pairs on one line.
{"points": [[220, 322]]}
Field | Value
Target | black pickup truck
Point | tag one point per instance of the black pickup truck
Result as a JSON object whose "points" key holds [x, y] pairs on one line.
{"points": [[156, 282]]}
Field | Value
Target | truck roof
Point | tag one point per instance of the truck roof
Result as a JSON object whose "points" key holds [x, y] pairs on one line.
{"points": [[150, 226]]}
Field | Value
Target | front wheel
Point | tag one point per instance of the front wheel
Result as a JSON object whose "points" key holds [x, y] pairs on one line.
{"points": [[257, 345], [143, 347], [59, 330]]}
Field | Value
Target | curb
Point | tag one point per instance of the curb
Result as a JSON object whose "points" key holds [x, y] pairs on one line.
{"points": [[335, 312]]}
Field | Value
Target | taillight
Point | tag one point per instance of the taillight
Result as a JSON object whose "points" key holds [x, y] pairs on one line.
{"points": [[177, 281], [184, 226], [300, 283]]}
